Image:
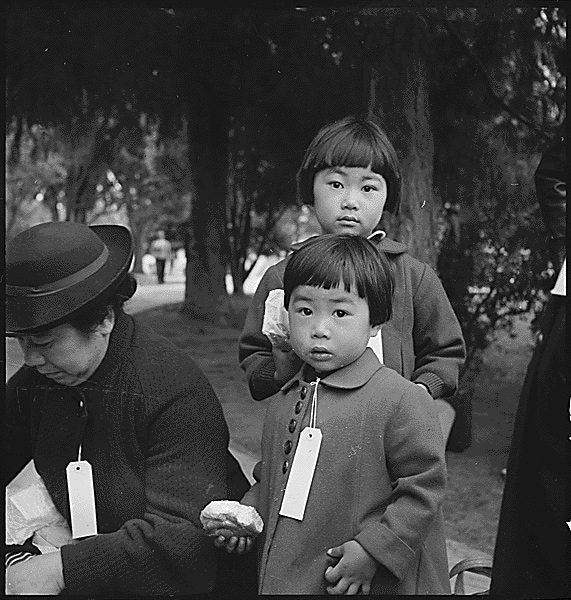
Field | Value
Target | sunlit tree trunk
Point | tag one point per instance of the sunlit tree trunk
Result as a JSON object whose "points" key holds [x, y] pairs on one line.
{"points": [[396, 78], [139, 229]]}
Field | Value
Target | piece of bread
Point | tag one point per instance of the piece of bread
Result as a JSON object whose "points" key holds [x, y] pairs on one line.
{"points": [[240, 519]]}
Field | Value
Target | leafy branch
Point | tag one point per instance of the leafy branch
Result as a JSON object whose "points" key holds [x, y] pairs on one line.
{"points": [[488, 84]]}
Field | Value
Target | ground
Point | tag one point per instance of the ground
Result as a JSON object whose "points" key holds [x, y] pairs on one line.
{"points": [[475, 485]]}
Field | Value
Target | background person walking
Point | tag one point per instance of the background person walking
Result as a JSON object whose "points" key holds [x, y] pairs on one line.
{"points": [[161, 250]]}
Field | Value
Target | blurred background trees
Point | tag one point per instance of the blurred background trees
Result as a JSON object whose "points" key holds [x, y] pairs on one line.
{"points": [[198, 119]]}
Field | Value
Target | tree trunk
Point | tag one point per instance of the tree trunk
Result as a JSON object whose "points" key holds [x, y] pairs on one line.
{"points": [[14, 152], [139, 233], [205, 289], [208, 125], [84, 178], [398, 95]]}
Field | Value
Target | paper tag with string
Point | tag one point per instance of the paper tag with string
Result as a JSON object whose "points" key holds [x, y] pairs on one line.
{"points": [[81, 494], [303, 467]]}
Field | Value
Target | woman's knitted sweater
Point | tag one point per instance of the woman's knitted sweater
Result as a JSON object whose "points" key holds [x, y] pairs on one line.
{"points": [[155, 435]]}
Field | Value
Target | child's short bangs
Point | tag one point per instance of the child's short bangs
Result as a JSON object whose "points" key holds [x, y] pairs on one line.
{"points": [[346, 150], [335, 273], [351, 142], [330, 261]]}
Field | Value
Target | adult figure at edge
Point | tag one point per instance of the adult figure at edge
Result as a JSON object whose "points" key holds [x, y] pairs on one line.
{"points": [[532, 557], [141, 412]]}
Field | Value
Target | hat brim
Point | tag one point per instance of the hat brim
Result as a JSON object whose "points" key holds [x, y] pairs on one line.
{"points": [[27, 315]]}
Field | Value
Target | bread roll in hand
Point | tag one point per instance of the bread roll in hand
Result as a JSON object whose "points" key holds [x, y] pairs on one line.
{"points": [[238, 519]]}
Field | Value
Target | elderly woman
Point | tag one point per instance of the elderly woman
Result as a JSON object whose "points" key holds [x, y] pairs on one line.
{"points": [[104, 402]]}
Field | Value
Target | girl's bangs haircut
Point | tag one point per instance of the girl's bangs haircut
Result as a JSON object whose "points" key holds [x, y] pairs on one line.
{"points": [[353, 149], [349, 143], [335, 262], [337, 270]]}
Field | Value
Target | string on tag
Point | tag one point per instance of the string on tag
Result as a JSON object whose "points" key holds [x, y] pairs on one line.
{"points": [[303, 466], [313, 413], [83, 416]]}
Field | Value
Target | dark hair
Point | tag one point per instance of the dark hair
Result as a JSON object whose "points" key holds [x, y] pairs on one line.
{"points": [[351, 142], [329, 259], [88, 317]]}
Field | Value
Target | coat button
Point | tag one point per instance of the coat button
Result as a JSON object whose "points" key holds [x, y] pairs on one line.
{"points": [[287, 447], [298, 407], [285, 466], [292, 425], [303, 393]]}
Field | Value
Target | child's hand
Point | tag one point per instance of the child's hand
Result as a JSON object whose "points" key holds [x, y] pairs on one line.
{"points": [[226, 538], [353, 572], [287, 364]]}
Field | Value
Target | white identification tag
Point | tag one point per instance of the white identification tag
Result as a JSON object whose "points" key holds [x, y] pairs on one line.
{"points": [[301, 474], [81, 499]]}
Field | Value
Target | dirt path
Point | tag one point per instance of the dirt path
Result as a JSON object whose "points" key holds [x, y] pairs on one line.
{"points": [[475, 485]]}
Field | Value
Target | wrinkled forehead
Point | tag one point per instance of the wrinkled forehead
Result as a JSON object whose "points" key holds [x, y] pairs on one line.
{"points": [[41, 335]]}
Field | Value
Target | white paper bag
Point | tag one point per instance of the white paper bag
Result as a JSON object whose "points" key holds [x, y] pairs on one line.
{"points": [[276, 323], [31, 511]]}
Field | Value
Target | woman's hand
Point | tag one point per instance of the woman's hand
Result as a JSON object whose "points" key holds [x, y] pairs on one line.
{"points": [[226, 538], [354, 571], [38, 576]]}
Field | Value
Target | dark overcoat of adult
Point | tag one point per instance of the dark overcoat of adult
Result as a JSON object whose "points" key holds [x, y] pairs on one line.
{"points": [[532, 557]]}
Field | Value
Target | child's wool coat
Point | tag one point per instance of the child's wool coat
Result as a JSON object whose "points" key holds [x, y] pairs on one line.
{"points": [[422, 341], [380, 480]]}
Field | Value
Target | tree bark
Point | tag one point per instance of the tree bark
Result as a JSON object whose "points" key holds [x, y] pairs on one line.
{"points": [[396, 73], [205, 290], [208, 125], [84, 178], [14, 152], [139, 228]]}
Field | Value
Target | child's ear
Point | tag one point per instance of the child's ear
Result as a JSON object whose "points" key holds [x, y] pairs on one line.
{"points": [[374, 330]]}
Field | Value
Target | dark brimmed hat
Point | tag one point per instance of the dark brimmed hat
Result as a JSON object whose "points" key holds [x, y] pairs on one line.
{"points": [[54, 269]]}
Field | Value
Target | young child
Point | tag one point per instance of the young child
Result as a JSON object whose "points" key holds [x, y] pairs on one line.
{"points": [[350, 174], [372, 522]]}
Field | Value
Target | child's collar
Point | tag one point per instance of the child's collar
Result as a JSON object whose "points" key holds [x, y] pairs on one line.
{"points": [[379, 233], [353, 376], [379, 238]]}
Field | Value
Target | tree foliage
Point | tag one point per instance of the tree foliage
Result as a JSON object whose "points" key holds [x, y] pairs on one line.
{"points": [[33, 180], [499, 107], [469, 96], [146, 182]]}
